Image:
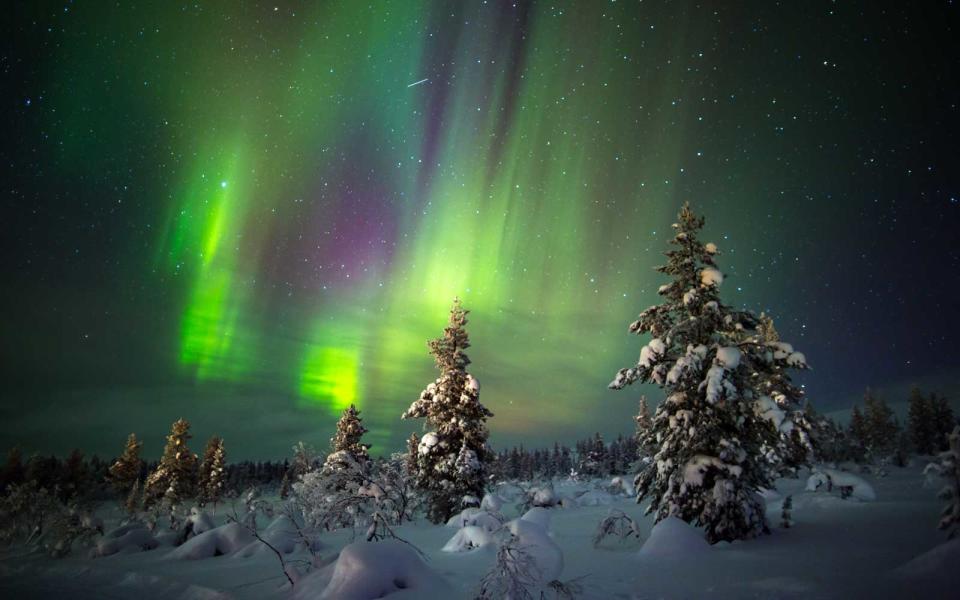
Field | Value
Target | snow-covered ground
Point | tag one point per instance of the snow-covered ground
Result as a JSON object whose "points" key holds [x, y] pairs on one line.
{"points": [[888, 547]]}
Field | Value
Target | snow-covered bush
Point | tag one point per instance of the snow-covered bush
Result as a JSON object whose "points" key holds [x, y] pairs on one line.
{"points": [[616, 524], [846, 484]]}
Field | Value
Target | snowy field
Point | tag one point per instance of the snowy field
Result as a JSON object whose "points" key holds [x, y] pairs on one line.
{"points": [[837, 548]]}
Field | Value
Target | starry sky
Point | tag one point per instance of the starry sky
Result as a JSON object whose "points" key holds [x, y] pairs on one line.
{"points": [[253, 214]]}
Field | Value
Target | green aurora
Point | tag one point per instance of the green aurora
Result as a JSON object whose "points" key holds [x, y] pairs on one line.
{"points": [[287, 197]]}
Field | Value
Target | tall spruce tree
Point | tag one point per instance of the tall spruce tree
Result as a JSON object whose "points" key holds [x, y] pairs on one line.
{"points": [[125, 472], [212, 476], [451, 458], [174, 479], [709, 465]]}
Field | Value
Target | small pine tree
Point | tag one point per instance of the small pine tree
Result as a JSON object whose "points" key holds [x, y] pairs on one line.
{"points": [[451, 460], [950, 470], [133, 498], [174, 479], [709, 466], [785, 517], [125, 472], [303, 458], [211, 479], [350, 430]]}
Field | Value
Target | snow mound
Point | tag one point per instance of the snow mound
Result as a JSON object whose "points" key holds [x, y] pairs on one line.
{"points": [[474, 517], [538, 515], [281, 533], [468, 538], [544, 496], [134, 537], [934, 564], [829, 479], [620, 485], [200, 521], [544, 552], [491, 502], [594, 498], [386, 569], [221, 541], [674, 538]]}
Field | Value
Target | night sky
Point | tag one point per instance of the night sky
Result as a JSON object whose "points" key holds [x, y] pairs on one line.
{"points": [[253, 214]]}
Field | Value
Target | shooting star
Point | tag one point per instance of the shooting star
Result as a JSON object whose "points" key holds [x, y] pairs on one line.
{"points": [[418, 82]]}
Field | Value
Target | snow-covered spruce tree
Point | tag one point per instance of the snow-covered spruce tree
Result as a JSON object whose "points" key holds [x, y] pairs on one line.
{"points": [[950, 470], [174, 479], [709, 464], [781, 402], [452, 456], [212, 477], [350, 430], [125, 472], [334, 496]]}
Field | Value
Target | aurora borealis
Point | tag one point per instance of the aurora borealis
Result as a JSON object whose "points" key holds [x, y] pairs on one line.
{"points": [[244, 213]]}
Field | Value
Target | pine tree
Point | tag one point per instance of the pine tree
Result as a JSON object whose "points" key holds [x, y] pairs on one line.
{"points": [[211, 480], [781, 402], [709, 465], [303, 457], [920, 423], [76, 477], [133, 498], [858, 433], [942, 421], [452, 457], [880, 427], [125, 472], [13, 471], [348, 461], [174, 479], [950, 470], [350, 430]]}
